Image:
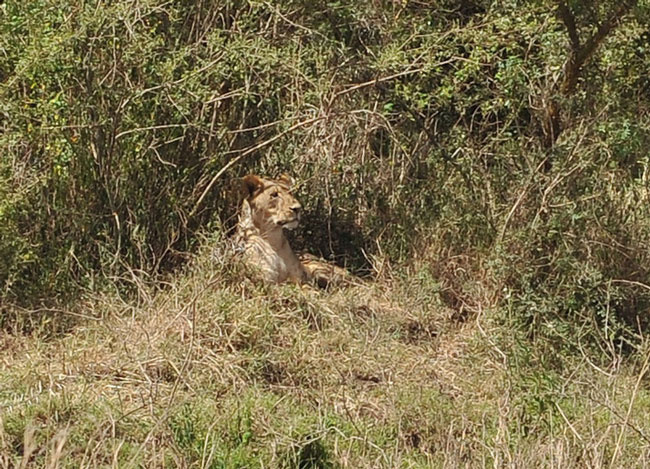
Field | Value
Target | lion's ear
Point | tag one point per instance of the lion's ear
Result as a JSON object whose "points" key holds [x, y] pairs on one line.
{"points": [[252, 184], [285, 180]]}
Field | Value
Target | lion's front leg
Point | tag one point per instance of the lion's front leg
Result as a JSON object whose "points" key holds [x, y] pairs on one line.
{"points": [[323, 273]]}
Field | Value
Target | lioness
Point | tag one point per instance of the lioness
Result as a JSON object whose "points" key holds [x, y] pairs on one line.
{"points": [[269, 208]]}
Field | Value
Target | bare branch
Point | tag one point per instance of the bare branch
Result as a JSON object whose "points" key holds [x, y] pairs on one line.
{"points": [[582, 54], [246, 153], [579, 56], [570, 22]]}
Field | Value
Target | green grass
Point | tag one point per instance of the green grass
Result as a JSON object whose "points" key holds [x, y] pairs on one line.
{"points": [[215, 371]]}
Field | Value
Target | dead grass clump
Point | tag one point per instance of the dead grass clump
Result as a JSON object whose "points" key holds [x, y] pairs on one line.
{"points": [[214, 370]]}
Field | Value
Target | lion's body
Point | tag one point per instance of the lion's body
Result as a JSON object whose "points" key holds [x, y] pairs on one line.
{"points": [[267, 210], [323, 273]]}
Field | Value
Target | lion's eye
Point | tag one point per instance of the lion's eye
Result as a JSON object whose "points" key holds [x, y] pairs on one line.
{"points": [[274, 195]]}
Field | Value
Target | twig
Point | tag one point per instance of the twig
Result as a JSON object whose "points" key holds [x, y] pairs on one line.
{"points": [[153, 127], [642, 373], [246, 153], [631, 282], [380, 80], [181, 80], [612, 409], [294, 24], [566, 420], [53, 310], [519, 200], [392, 77]]}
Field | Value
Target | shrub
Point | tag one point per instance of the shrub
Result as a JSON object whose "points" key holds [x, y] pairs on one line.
{"points": [[438, 132]]}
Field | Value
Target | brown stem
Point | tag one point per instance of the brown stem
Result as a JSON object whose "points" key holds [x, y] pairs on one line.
{"points": [[579, 56], [570, 22]]}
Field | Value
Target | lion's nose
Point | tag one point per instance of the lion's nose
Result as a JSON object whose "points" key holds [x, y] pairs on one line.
{"points": [[296, 209]]}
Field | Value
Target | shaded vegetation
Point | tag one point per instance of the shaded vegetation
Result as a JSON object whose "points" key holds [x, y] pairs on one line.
{"points": [[515, 133]]}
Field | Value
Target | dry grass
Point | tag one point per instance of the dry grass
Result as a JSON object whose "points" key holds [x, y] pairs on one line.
{"points": [[214, 371]]}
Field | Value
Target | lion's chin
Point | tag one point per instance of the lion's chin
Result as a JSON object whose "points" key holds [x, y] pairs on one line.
{"points": [[290, 225]]}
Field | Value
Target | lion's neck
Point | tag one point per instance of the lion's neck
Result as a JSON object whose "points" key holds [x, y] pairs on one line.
{"points": [[275, 237], [286, 264]]}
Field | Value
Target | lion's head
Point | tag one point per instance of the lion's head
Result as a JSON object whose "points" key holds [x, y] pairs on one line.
{"points": [[269, 204]]}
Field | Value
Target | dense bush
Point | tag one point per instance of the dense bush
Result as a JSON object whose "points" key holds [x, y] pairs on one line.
{"points": [[511, 135]]}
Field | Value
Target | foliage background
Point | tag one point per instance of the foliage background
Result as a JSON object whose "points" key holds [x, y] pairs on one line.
{"points": [[419, 132]]}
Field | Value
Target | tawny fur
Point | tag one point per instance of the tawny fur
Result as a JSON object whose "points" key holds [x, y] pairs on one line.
{"points": [[269, 208]]}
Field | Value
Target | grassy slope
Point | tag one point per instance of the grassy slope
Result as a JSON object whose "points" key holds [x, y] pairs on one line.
{"points": [[215, 371]]}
